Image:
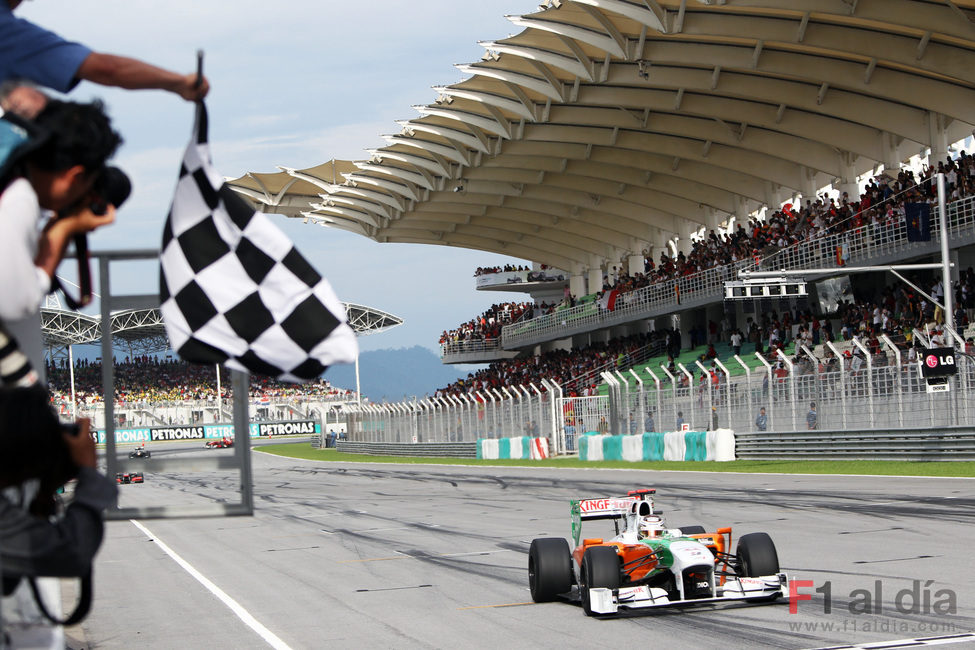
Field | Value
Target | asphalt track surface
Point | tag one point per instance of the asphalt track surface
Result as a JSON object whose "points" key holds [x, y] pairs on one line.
{"points": [[424, 556]]}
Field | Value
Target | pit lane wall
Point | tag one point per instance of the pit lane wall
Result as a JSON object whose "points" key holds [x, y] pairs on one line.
{"points": [[211, 431], [518, 448], [716, 445]]}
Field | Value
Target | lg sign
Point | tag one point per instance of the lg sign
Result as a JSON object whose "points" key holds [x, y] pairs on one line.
{"points": [[938, 362]]}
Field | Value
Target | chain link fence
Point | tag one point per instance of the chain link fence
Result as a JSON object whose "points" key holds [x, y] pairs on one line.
{"points": [[806, 392], [509, 412], [838, 392]]}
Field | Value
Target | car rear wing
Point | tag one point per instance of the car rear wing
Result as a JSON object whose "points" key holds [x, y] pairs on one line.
{"points": [[604, 508]]}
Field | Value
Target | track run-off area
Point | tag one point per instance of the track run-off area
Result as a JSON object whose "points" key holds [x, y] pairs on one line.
{"points": [[344, 554]]}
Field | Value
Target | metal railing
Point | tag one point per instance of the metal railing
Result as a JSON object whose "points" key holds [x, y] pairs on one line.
{"points": [[470, 347], [587, 380], [494, 413], [944, 443], [857, 245], [479, 351]]}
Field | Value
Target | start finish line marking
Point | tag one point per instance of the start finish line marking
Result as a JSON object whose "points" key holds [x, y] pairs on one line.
{"points": [[232, 604]]}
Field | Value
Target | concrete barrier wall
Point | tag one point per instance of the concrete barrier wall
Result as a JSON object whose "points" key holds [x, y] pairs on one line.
{"points": [[675, 446], [518, 448]]}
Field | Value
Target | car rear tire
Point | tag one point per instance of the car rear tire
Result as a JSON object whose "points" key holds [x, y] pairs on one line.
{"points": [[600, 568], [692, 530], [757, 556], [549, 568]]}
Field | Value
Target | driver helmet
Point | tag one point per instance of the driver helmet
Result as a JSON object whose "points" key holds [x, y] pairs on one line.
{"points": [[651, 526]]}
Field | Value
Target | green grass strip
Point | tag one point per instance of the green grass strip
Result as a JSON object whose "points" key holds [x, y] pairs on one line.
{"points": [[866, 467]]}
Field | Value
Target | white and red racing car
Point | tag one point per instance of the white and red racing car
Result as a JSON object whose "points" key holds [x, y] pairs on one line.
{"points": [[647, 564]]}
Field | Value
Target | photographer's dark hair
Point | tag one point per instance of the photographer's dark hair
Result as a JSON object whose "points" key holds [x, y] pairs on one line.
{"points": [[78, 134], [32, 445]]}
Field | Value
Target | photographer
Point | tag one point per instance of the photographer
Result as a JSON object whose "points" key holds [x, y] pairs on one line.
{"points": [[73, 142], [37, 456], [37, 452]]}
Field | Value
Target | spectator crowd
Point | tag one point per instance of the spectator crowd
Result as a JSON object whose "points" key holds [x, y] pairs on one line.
{"points": [[507, 268], [899, 310], [577, 370], [896, 312], [149, 379], [488, 325], [881, 205]]}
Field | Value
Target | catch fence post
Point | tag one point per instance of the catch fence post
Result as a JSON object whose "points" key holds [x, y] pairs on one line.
{"points": [[771, 390], [898, 371], [748, 390], [869, 358], [792, 385]]}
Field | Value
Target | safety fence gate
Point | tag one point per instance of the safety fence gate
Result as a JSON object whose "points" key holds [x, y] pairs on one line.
{"points": [[239, 461]]}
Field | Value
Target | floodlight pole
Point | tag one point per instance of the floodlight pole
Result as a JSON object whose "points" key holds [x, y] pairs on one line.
{"points": [[358, 388], [945, 262], [74, 397]]}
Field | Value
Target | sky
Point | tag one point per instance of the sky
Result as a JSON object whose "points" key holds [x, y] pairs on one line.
{"points": [[294, 84]]}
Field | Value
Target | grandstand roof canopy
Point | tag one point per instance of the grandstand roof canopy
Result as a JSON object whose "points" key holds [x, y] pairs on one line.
{"points": [[143, 331], [607, 127]]}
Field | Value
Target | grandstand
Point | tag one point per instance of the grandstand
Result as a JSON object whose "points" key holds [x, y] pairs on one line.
{"points": [[155, 390], [606, 136]]}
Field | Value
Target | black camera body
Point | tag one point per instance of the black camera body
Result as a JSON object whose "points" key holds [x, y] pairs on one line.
{"points": [[112, 187]]}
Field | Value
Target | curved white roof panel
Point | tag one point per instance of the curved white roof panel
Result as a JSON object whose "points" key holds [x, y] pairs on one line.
{"points": [[607, 126]]}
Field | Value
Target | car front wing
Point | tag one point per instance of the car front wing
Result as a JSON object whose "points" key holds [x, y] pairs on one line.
{"points": [[610, 601]]}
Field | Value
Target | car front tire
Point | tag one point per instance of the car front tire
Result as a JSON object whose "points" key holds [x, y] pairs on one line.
{"points": [[549, 568], [600, 568], [757, 556]]}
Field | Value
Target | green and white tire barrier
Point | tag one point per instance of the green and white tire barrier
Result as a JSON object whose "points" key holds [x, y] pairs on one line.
{"points": [[676, 446], [520, 448]]}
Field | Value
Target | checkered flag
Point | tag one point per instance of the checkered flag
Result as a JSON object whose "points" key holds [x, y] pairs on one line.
{"points": [[233, 287]]}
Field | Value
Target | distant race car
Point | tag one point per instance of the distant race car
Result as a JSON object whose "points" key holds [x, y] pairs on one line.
{"points": [[647, 564], [140, 452], [130, 477], [219, 444]]}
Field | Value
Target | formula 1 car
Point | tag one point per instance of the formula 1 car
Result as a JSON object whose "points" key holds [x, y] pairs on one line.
{"points": [[220, 444], [129, 477], [140, 452], [648, 565]]}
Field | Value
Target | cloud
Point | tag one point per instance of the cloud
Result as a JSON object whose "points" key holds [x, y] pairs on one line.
{"points": [[296, 84]]}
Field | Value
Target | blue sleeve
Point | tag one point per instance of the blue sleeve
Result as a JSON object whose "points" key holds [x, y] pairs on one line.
{"points": [[30, 52]]}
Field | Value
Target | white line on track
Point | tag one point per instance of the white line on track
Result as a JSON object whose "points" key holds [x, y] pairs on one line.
{"points": [[234, 606]]}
